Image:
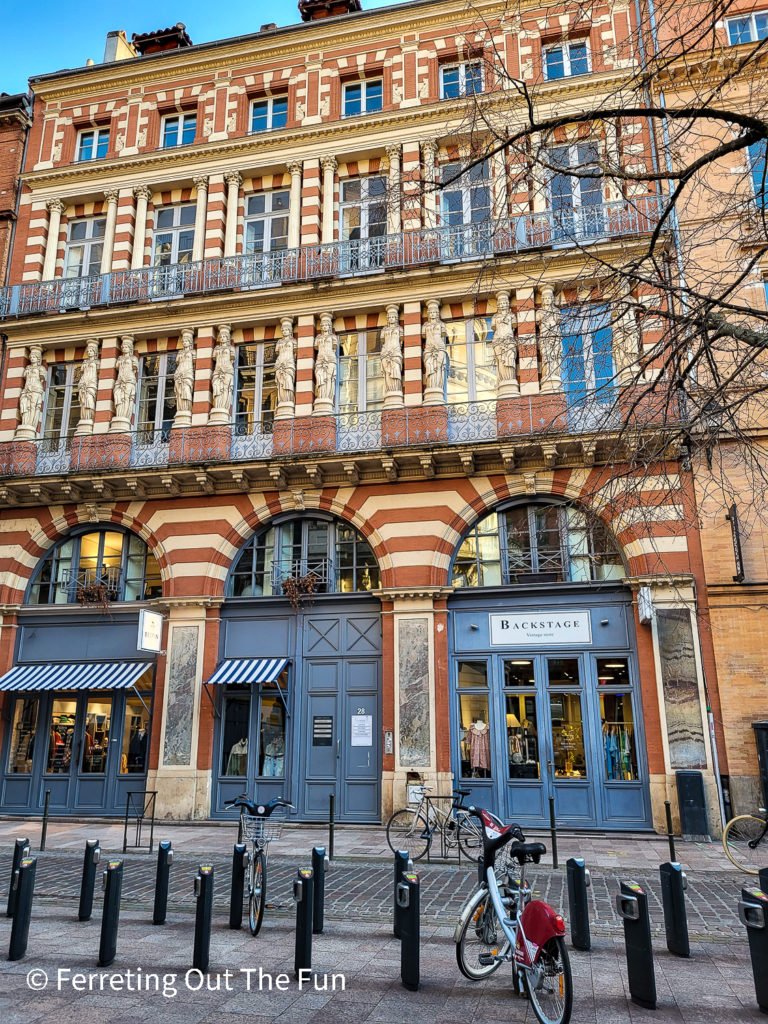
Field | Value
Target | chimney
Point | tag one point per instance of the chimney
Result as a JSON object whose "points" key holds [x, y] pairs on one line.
{"points": [[313, 10], [173, 38], [118, 47]]}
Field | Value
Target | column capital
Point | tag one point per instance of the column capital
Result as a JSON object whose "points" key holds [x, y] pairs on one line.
{"points": [[200, 181], [547, 294], [295, 167], [111, 195], [56, 205], [143, 192], [429, 147], [394, 151], [233, 178], [329, 163]]}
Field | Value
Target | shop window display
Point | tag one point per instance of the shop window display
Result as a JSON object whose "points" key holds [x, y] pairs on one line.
{"points": [[475, 736], [567, 736], [234, 750], [61, 737], [522, 736], [272, 737], [98, 718], [23, 736], [133, 754]]}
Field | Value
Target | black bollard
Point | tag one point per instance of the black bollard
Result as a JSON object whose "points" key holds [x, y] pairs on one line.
{"points": [[403, 863], [24, 881], [553, 831], [88, 881], [673, 886], [331, 823], [203, 914], [304, 894], [578, 903], [632, 905], [112, 883], [753, 914], [319, 865], [162, 878], [20, 851], [762, 876], [408, 899], [44, 829], [240, 861], [670, 831]]}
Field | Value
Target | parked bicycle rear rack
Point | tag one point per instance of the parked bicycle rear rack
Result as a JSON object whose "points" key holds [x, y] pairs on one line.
{"points": [[139, 805]]}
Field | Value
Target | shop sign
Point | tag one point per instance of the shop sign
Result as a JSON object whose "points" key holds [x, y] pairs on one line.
{"points": [[541, 629], [150, 631]]}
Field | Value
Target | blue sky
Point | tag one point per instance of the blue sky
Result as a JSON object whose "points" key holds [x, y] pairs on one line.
{"points": [[56, 34]]}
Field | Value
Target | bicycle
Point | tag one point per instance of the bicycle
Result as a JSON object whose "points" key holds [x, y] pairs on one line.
{"points": [[501, 923], [258, 828], [745, 841], [413, 828]]}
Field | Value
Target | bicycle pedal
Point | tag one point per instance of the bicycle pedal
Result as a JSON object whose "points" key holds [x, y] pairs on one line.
{"points": [[486, 959]]}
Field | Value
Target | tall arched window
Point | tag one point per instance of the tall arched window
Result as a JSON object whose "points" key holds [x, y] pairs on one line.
{"points": [[536, 544], [339, 558], [94, 566]]}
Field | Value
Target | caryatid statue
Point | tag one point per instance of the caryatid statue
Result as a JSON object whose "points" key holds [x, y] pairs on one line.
{"points": [[326, 346], [285, 369], [435, 334], [87, 377], [31, 398], [184, 379], [505, 347], [124, 389], [223, 376], [550, 341], [392, 359]]}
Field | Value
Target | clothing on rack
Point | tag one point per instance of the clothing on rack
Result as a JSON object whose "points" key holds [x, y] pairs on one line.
{"points": [[479, 746], [238, 758]]}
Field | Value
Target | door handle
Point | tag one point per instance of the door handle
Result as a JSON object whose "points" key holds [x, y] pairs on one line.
{"points": [[338, 744]]}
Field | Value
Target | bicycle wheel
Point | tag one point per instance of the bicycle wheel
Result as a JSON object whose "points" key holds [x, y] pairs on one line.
{"points": [[408, 830], [481, 935], [470, 837], [745, 841], [257, 891], [552, 994]]}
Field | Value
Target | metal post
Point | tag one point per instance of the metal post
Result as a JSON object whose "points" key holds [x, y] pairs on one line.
{"points": [[24, 881], [20, 851], [403, 863], [753, 914], [240, 861], [578, 883], [408, 899], [44, 831], [331, 823], [632, 905], [164, 861], [203, 914], [762, 877], [670, 833], [90, 860], [673, 886], [112, 883], [553, 831], [319, 864], [304, 895]]}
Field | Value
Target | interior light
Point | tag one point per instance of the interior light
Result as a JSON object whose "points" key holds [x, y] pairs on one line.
{"points": [[519, 663], [616, 664]]}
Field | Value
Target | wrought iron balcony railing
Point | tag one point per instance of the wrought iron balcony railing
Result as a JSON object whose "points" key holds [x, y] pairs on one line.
{"points": [[287, 568], [450, 243], [91, 585]]}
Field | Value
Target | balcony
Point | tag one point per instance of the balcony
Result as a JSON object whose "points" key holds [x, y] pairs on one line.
{"points": [[93, 585], [449, 244]]}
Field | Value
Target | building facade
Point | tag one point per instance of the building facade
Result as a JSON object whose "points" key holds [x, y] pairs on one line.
{"points": [[348, 417]]}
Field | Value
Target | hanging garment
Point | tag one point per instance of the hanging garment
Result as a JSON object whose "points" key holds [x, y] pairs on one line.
{"points": [[238, 758], [611, 754], [479, 747]]}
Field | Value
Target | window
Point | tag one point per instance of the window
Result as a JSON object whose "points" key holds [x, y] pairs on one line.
{"points": [[749, 28], [566, 59], [474, 721], [174, 235], [61, 407], [757, 167], [461, 80], [588, 372], [255, 387], [618, 723], [267, 748], [471, 369], [85, 244], [95, 566], [156, 397], [178, 130], [266, 221], [339, 558], [537, 544], [269, 113], [465, 197], [363, 218], [363, 97], [522, 735], [93, 144], [361, 381], [133, 755], [22, 745], [575, 200]]}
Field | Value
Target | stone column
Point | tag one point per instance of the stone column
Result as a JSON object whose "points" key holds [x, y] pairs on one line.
{"points": [[294, 207], [329, 165], [143, 194], [55, 209], [539, 176], [393, 187], [500, 203], [198, 246], [234, 180], [429, 156], [111, 195]]}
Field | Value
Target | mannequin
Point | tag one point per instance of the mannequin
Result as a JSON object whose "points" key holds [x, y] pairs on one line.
{"points": [[238, 757], [479, 748]]}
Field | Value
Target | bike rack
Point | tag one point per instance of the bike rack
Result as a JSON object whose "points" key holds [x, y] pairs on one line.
{"points": [[444, 855], [140, 803]]}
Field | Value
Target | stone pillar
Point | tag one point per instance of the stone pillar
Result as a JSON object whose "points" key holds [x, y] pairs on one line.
{"points": [[329, 165], [198, 246], [55, 210], [294, 206], [394, 221], [500, 201], [429, 156], [143, 194], [539, 176], [112, 196], [234, 180]]}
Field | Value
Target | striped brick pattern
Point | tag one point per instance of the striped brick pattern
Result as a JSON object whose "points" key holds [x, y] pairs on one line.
{"points": [[310, 203], [126, 213], [525, 311], [201, 403], [304, 333], [215, 221], [412, 360]]}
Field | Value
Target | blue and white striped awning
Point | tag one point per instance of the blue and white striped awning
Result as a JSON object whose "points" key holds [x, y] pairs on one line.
{"points": [[109, 675], [249, 670]]}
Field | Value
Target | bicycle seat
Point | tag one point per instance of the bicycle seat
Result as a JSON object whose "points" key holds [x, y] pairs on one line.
{"points": [[462, 792], [526, 853]]}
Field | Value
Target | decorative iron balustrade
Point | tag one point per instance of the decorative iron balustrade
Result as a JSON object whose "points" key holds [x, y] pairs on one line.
{"points": [[296, 568], [449, 243], [91, 585]]}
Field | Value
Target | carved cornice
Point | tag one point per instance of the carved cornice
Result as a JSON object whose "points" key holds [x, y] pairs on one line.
{"points": [[683, 579]]}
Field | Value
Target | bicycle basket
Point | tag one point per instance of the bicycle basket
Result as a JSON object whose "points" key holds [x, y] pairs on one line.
{"points": [[263, 829]]}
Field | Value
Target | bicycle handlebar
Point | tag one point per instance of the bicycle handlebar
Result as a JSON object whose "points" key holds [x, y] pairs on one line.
{"points": [[258, 810]]}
